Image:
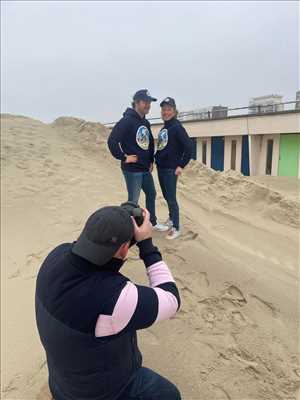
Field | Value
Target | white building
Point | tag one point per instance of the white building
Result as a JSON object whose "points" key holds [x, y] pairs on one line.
{"points": [[266, 104], [212, 112], [298, 100]]}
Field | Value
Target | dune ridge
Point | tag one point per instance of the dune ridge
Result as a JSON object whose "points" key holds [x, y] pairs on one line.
{"points": [[237, 264]]}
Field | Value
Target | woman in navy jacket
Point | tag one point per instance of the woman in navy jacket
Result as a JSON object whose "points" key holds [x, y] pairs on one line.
{"points": [[131, 141], [174, 149]]}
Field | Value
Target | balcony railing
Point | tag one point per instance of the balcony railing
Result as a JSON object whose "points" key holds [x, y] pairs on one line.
{"points": [[224, 112]]}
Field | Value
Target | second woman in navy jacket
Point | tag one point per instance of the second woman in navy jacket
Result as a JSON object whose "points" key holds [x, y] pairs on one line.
{"points": [[174, 149]]}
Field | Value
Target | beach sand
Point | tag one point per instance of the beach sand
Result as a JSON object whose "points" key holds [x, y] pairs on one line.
{"points": [[237, 264]]}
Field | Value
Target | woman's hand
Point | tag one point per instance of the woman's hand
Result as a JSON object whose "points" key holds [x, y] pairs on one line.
{"points": [[151, 167], [178, 171], [131, 159], [145, 230]]}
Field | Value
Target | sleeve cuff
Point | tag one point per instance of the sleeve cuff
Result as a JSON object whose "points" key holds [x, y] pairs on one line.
{"points": [[148, 252]]}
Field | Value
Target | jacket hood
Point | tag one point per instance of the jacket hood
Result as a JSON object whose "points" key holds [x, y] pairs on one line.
{"points": [[130, 112]]}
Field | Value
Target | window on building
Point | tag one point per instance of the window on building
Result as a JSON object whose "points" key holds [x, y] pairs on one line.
{"points": [[233, 155], [269, 157], [204, 150]]}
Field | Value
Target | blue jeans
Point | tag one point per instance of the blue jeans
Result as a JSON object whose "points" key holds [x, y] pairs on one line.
{"points": [[148, 385], [168, 184], [137, 181]]}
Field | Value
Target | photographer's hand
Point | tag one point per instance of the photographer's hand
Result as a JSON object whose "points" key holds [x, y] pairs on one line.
{"points": [[145, 230]]}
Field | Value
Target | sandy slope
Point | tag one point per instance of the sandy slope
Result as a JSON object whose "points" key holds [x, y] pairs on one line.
{"points": [[237, 264]]}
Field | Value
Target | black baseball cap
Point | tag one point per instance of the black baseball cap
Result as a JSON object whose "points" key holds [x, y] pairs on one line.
{"points": [[143, 94], [168, 101], [104, 232]]}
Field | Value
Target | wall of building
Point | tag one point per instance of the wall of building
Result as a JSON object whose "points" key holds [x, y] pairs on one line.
{"points": [[259, 129], [289, 155], [286, 122], [261, 167], [257, 153], [208, 150], [227, 152], [255, 148]]}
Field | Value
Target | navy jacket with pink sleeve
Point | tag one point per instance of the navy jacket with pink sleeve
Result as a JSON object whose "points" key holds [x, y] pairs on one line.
{"points": [[87, 318]]}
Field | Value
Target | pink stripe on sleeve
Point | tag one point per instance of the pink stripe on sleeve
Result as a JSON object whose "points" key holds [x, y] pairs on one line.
{"points": [[167, 304], [123, 311], [159, 273]]}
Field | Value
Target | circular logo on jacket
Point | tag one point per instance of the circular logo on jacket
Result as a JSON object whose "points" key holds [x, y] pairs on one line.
{"points": [[143, 137], [162, 139]]}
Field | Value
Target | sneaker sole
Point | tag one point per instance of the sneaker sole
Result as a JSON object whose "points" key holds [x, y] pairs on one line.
{"points": [[172, 238], [161, 230]]}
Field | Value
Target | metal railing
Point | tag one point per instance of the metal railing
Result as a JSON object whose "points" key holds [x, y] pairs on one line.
{"points": [[220, 112]]}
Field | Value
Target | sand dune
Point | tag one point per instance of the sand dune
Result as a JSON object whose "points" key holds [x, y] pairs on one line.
{"points": [[237, 264]]}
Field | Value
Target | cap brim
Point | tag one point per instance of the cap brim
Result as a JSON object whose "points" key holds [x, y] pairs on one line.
{"points": [[150, 99], [95, 253]]}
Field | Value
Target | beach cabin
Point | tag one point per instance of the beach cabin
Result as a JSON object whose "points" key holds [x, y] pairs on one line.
{"points": [[267, 143], [261, 139]]}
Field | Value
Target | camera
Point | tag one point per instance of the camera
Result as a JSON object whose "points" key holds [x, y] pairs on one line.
{"points": [[135, 211]]}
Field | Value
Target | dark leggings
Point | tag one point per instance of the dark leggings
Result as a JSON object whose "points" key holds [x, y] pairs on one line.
{"points": [[168, 184]]}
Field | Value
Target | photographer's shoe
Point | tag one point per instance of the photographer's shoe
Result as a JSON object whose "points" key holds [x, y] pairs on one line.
{"points": [[173, 234], [160, 227]]}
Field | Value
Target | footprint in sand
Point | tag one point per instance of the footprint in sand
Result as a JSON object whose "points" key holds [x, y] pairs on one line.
{"points": [[238, 319], [21, 165], [32, 264], [209, 317], [12, 385], [234, 293], [186, 289], [202, 280], [223, 309], [190, 235], [173, 251], [265, 305], [220, 393], [15, 274]]}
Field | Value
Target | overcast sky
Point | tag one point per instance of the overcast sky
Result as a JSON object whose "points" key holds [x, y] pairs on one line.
{"points": [[86, 59]]}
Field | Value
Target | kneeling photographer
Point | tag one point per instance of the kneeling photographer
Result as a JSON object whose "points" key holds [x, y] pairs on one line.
{"points": [[88, 313]]}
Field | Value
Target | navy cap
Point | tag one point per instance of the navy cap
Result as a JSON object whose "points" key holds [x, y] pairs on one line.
{"points": [[143, 94], [168, 101], [104, 232]]}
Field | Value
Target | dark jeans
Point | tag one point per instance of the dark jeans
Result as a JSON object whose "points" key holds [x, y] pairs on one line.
{"points": [[135, 181], [148, 385], [168, 184]]}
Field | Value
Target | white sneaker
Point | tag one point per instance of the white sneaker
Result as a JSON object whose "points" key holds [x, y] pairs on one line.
{"points": [[173, 234], [161, 227], [169, 223]]}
